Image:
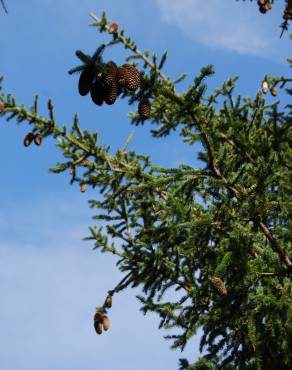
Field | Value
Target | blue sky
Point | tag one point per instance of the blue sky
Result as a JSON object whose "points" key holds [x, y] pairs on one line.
{"points": [[51, 280]]}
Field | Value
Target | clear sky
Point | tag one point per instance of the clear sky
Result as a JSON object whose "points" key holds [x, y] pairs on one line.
{"points": [[51, 280]]}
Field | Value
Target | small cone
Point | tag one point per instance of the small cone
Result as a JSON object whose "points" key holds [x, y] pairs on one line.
{"points": [[83, 187], [113, 28], [1, 107], [98, 327], [97, 92], [274, 90], [219, 286], [28, 139], [265, 87], [109, 76], [133, 78], [108, 301], [263, 9], [144, 108], [110, 94], [121, 76], [269, 5], [37, 139], [105, 323], [85, 81]]}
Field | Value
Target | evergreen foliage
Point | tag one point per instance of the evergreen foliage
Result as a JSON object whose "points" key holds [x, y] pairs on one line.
{"points": [[227, 255]]}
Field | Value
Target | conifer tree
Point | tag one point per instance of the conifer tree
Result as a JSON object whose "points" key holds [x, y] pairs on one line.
{"points": [[220, 235]]}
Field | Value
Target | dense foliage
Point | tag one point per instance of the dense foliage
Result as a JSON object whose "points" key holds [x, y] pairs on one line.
{"points": [[219, 235]]}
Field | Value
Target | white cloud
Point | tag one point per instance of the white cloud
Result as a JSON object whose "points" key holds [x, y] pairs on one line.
{"points": [[230, 25]]}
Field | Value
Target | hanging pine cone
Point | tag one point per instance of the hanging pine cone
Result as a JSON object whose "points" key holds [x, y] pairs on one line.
{"points": [[108, 301], [97, 92], [219, 286], [274, 90], [83, 187], [113, 27], [133, 77], [105, 322], [144, 108], [28, 139], [1, 107], [37, 139], [263, 9], [265, 87], [110, 94], [98, 327], [288, 12], [121, 76], [109, 76], [85, 81]]}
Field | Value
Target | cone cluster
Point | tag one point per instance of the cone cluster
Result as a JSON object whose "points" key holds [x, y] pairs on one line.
{"points": [[30, 137], [266, 88], [219, 286], [264, 6], [106, 86], [101, 322]]}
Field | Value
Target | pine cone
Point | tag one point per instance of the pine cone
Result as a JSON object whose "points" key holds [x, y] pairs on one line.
{"points": [[121, 76], [110, 94], [263, 9], [28, 139], [133, 78], [265, 87], [37, 139], [98, 327], [219, 285], [113, 28], [98, 316], [274, 90], [1, 107], [109, 76], [144, 108], [97, 92], [83, 187], [108, 301], [105, 322], [85, 81]]}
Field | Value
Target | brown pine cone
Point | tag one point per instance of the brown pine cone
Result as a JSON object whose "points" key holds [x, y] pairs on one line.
{"points": [[98, 327], [219, 285], [121, 76], [113, 27], [274, 90], [85, 81], [28, 139], [108, 301], [105, 322], [98, 316], [1, 107], [97, 92], [263, 9], [144, 108], [109, 76], [133, 79], [83, 187], [110, 94], [37, 139]]}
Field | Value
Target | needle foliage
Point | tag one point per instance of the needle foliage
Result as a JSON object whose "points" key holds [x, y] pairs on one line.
{"points": [[219, 236]]}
